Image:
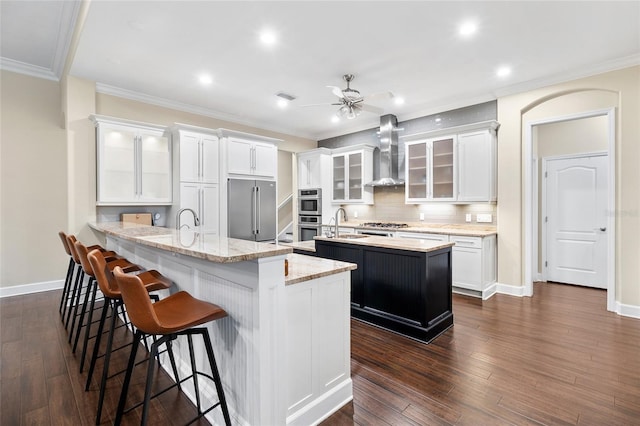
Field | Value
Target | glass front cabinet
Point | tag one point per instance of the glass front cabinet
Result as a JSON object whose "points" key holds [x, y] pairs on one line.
{"points": [[352, 170], [431, 169]]}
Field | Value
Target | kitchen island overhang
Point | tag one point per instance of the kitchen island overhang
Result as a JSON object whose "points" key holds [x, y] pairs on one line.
{"points": [[401, 285], [284, 349]]}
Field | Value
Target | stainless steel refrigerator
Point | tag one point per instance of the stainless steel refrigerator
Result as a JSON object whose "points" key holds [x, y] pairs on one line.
{"points": [[252, 209]]}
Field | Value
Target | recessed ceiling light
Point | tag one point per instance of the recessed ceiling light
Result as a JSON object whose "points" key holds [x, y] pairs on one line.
{"points": [[335, 119], [503, 71], [283, 103], [398, 100], [284, 99], [467, 28], [268, 37], [205, 79]]}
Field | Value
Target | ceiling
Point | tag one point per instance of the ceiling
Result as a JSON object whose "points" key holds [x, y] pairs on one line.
{"points": [[155, 51]]}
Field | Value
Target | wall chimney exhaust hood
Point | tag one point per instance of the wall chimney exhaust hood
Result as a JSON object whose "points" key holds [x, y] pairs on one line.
{"points": [[388, 153]]}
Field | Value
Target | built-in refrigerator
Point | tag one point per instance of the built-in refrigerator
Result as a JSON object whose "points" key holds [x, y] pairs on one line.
{"points": [[251, 209]]}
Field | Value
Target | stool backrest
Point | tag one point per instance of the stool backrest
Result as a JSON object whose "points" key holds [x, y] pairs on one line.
{"points": [[71, 241], [104, 276], [82, 252], [63, 237], [136, 299]]}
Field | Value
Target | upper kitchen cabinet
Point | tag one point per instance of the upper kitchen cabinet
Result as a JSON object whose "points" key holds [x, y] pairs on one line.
{"points": [[352, 167], [311, 165], [454, 165], [198, 152], [133, 163], [430, 171], [250, 155]]}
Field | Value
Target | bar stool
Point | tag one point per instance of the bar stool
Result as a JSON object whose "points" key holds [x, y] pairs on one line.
{"points": [[91, 293], [71, 271], [152, 280], [171, 317], [76, 294]]}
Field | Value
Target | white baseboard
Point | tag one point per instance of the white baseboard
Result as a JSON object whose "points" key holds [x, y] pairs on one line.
{"points": [[631, 311], [17, 290], [489, 291], [511, 290]]}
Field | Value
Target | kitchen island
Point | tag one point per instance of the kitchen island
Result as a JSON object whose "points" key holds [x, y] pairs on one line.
{"points": [[401, 285], [267, 348]]}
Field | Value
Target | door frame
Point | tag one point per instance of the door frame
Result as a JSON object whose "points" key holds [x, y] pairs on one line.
{"points": [[545, 240], [530, 204]]}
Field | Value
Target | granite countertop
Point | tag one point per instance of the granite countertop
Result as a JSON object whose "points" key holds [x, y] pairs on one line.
{"points": [[469, 230], [390, 243], [309, 246], [304, 268], [191, 243]]}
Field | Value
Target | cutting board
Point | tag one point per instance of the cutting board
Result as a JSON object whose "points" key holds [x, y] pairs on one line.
{"points": [[141, 218]]}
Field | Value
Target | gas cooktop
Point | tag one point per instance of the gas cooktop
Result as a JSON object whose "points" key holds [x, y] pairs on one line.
{"points": [[385, 225]]}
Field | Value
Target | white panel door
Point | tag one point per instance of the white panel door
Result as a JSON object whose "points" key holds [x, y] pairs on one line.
{"points": [[210, 208], [189, 199], [265, 161], [576, 220], [240, 157], [189, 158], [209, 159]]}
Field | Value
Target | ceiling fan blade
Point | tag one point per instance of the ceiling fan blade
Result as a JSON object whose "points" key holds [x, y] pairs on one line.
{"points": [[380, 95], [371, 108], [336, 91]]}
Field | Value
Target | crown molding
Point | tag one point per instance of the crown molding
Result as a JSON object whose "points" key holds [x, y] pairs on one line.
{"points": [[27, 69]]}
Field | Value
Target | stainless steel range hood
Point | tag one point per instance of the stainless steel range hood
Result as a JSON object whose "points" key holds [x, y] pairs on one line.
{"points": [[388, 153]]}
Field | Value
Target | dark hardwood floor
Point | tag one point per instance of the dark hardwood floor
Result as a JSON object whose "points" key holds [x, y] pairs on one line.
{"points": [[557, 358]]}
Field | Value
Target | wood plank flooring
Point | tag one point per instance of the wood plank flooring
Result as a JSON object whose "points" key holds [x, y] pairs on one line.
{"points": [[557, 358]]}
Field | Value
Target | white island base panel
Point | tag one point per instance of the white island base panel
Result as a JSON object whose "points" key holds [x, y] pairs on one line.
{"points": [[284, 350]]}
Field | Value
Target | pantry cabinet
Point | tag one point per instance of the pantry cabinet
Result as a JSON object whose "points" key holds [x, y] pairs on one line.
{"points": [[204, 199], [352, 168], [134, 163], [454, 165]]}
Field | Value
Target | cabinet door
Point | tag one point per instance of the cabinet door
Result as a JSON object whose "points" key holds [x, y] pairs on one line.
{"points": [[189, 158], [189, 199], [117, 180], [355, 176], [155, 168], [309, 172], [210, 208], [443, 169], [209, 159], [265, 161], [475, 165], [416, 174], [240, 157], [339, 174], [467, 267]]}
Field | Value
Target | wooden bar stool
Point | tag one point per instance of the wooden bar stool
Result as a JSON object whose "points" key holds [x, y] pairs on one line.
{"points": [[152, 280], [171, 317], [91, 293]]}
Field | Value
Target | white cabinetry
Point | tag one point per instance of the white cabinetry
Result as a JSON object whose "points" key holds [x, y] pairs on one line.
{"points": [[312, 169], [476, 166], [246, 157], [474, 264], [352, 168], [473, 261], [454, 165], [133, 163], [199, 175]]}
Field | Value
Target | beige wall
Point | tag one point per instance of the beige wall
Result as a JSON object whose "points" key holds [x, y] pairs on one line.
{"points": [[618, 89], [33, 181]]}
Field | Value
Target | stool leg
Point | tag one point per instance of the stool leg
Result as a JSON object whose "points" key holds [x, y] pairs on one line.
{"points": [[149, 383], [78, 282], [216, 377], [127, 377], [194, 371], [172, 360], [82, 306], [87, 331], [67, 283], [67, 296], [107, 358], [96, 345], [91, 286]]}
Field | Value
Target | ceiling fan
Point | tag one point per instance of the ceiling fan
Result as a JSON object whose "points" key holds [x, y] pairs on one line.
{"points": [[351, 102]]}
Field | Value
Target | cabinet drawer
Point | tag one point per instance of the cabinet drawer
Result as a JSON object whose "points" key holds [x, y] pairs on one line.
{"points": [[421, 236], [468, 242]]}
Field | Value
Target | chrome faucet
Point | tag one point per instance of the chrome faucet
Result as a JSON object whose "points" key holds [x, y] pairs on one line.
{"points": [[196, 221], [336, 234]]}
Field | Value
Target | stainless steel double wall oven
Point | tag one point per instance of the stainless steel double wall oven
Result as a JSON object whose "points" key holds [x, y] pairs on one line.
{"points": [[309, 213]]}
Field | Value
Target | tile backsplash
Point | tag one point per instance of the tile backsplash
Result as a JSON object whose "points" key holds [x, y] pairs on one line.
{"points": [[389, 205]]}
